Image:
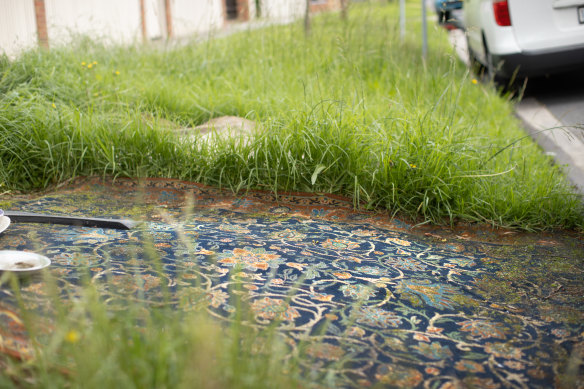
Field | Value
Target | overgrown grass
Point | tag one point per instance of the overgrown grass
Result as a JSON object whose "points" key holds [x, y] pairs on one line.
{"points": [[351, 110]]}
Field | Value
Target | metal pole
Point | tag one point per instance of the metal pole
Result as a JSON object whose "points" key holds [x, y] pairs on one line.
{"points": [[402, 19], [424, 31]]}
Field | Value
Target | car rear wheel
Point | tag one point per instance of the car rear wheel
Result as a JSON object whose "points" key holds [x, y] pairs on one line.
{"points": [[486, 72], [490, 70], [443, 16], [475, 65]]}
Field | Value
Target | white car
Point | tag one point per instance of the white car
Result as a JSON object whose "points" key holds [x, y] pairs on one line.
{"points": [[523, 38]]}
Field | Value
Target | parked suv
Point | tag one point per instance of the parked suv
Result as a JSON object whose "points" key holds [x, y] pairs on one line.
{"points": [[522, 38]]}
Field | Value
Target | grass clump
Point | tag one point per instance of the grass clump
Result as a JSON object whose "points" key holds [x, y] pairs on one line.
{"points": [[350, 110]]}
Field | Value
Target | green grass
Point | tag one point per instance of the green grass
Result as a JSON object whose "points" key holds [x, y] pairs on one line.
{"points": [[350, 110]]}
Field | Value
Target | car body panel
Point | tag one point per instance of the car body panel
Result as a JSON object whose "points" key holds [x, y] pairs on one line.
{"points": [[545, 36], [472, 24], [447, 5], [561, 28], [482, 28]]}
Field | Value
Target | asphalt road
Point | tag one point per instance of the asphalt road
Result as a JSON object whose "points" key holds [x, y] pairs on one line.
{"points": [[563, 96]]}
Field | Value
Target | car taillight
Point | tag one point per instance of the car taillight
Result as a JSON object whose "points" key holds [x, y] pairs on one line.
{"points": [[501, 9]]}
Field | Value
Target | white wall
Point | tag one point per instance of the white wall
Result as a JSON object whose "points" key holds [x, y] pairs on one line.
{"points": [[196, 16], [17, 26], [113, 20], [119, 21], [252, 9], [282, 10], [155, 16]]}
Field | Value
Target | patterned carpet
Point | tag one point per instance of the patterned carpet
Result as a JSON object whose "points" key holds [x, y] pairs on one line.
{"points": [[399, 308]]}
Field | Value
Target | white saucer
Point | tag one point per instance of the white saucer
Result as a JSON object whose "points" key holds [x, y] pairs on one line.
{"points": [[22, 261], [4, 223]]}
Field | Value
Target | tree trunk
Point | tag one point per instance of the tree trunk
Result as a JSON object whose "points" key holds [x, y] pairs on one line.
{"points": [[345, 9]]}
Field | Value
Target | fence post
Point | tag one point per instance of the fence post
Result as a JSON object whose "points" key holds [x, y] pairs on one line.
{"points": [[143, 21], [41, 23], [168, 13], [402, 19], [424, 31]]}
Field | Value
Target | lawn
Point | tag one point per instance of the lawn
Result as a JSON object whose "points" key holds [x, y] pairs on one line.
{"points": [[350, 110]]}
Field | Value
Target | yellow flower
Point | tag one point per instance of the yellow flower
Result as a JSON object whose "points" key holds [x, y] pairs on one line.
{"points": [[83, 63], [72, 336], [89, 66], [413, 166], [95, 62], [54, 106], [474, 81], [117, 73]]}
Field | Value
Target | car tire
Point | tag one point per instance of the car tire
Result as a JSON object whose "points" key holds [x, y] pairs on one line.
{"points": [[486, 73], [475, 65], [443, 16]]}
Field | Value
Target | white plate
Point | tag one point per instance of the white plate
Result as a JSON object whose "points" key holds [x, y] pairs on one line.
{"points": [[22, 261], [4, 223]]}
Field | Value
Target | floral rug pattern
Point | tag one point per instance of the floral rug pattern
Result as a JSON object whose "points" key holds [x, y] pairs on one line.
{"points": [[374, 303]]}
